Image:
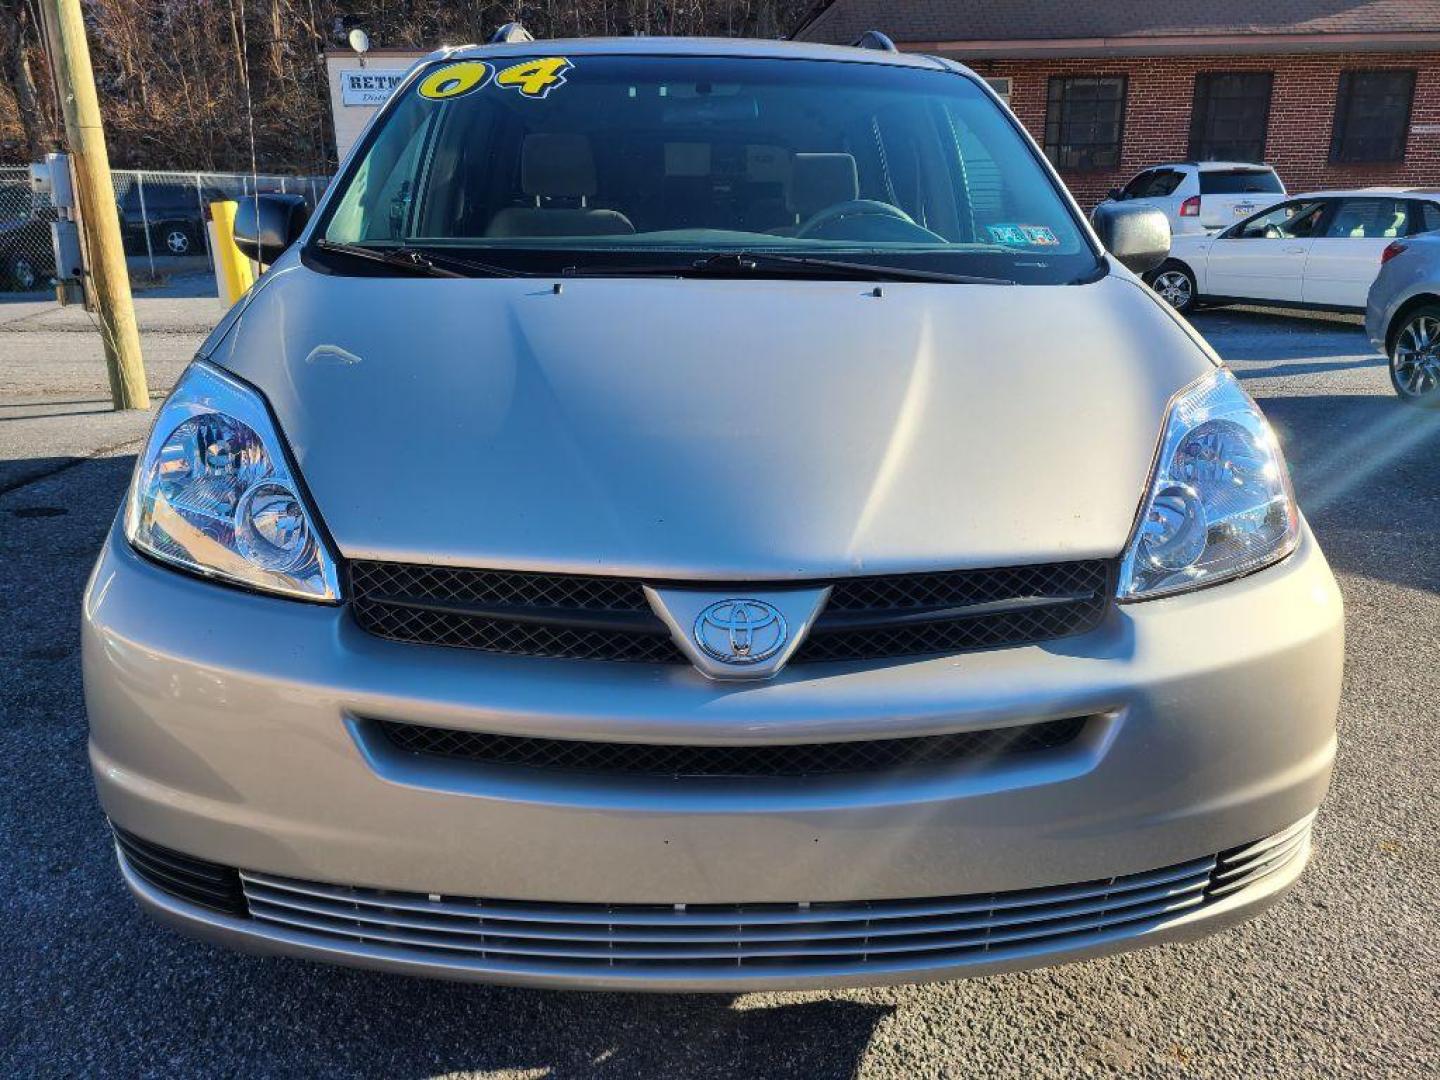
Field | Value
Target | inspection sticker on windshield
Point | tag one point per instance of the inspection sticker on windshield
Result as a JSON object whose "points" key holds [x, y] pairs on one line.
{"points": [[530, 78], [1022, 235]]}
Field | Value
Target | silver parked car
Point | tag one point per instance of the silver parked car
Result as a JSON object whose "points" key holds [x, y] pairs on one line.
{"points": [[1402, 316], [707, 515]]}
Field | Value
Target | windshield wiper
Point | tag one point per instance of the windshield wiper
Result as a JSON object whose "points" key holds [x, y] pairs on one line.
{"points": [[428, 262], [734, 264], [746, 260]]}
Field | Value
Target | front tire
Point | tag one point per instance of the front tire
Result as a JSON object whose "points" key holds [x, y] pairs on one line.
{"points": [[178, 241], [1176, 286], [1415, 358]]}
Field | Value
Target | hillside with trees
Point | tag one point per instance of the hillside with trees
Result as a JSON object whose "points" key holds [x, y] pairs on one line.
{"points": [[180, 81]]}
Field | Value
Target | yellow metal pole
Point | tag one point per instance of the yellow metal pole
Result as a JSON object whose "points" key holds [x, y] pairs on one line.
{"points": [[233, 272], [99, 217]]}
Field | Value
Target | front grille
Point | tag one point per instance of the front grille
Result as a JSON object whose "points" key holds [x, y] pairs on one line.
{"points": [[784, 760], [533, 937], [575, 616], [567, 616], [194, 880], [920, 614]]}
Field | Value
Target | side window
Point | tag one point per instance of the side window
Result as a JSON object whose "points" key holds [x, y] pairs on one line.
{"points": [[1424, 217], [1288, 221], [1165, 183], [1138, 186], [1368, 219], [390, 167]]}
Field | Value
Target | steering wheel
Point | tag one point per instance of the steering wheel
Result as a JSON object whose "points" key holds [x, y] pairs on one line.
{"points": [[853, 209]]}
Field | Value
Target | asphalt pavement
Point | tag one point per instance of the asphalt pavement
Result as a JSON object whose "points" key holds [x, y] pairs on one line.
{"points": [[1341, 979]]}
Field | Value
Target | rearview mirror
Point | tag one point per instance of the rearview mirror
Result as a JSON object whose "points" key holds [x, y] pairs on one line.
{"points": [[1115, 194], [1138, 236], [265, 225]]}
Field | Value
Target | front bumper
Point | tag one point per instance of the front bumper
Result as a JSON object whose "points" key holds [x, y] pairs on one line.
{"points": [[1214, 727]]}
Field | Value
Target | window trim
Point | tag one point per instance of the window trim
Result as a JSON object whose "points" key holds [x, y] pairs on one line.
{"points": [[1048, 147], [1197, 137], [1344, 97]]}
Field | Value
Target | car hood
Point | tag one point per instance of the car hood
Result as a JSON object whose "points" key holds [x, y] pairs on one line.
{"points": [[716, 429]]}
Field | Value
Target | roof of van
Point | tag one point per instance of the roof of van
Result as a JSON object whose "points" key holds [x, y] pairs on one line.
{"points": [[685, 46], [1356, 193]]}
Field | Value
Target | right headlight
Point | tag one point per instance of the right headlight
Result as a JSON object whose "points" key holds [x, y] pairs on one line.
{"points": [[1219, 504], [214, 493]]}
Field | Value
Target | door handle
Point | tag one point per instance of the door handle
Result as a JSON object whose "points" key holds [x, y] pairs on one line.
{"points": [[1294, 251]]}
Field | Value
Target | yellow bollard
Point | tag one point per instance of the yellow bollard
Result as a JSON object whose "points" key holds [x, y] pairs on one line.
{"points": [[233, 272]]}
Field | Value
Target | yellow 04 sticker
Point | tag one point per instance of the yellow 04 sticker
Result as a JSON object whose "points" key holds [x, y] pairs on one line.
{"points": [[535, 78], [455, 80]]}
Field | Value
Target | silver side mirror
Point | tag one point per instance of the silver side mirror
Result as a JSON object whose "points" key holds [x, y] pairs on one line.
{"points": [[1136, 235]]}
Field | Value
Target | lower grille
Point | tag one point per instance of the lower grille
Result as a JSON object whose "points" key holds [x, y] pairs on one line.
{"points": [[194, 880], [782, 760], [510, 935], [575, 616]]}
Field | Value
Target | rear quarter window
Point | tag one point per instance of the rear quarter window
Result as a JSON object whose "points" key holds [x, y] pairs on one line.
{"points": [[1241, 182]]}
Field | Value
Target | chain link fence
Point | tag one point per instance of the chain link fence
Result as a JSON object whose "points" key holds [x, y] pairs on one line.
{"points": [[163, 220], [26, 260]]}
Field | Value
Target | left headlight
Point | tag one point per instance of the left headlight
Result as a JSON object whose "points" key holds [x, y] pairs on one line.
{"points": [[1219, 503], [214, 493]]}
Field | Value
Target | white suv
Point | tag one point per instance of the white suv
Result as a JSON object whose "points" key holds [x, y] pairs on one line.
{"points": [[1203, 196]]}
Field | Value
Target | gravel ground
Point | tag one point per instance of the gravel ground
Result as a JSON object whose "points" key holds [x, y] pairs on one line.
{"points": [[1341, 979]]}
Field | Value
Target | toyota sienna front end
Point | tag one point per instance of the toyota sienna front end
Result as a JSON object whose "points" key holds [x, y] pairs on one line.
{"points": [[705, 515]]}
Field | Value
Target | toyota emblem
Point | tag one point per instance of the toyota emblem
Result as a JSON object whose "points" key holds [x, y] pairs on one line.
{"points": [[740, 631]]}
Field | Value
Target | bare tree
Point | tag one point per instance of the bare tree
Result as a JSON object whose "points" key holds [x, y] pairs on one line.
{"points": [[19, 43], [181, 79]]}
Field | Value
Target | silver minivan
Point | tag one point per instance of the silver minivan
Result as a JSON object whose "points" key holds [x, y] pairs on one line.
{"points": [[706, 515]]}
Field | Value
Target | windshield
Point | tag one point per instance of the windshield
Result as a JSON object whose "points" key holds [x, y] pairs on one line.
{"points": [[549, 161]]}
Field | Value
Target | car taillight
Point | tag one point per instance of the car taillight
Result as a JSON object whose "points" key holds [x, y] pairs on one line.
{"points": [[1190, 207], [1391, 251]]}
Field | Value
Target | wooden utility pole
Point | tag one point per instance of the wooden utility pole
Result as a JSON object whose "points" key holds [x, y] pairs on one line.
{"points": [[99, 216]]}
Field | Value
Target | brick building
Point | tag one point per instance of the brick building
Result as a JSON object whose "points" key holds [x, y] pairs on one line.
{"points": [[1333, 93]]}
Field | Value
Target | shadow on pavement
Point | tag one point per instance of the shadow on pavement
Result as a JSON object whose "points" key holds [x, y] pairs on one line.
{"points": [[1319, 368], [1281, 318], [1364, 466]]}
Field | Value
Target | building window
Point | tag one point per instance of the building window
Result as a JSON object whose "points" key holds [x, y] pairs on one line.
{"points": [[1231, 111], [1372, 115], [1085, 121], [1001, 85]]}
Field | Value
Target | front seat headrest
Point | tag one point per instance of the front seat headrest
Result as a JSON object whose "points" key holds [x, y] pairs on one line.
{"points": [[821, 180], [558, 166]]}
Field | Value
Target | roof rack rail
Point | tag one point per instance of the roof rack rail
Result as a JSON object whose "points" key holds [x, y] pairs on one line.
{"points": [[509, 34], [874, 39]]}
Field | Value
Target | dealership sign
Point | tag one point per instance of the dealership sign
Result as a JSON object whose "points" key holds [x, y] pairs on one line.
{"points": [[368, 86]]}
